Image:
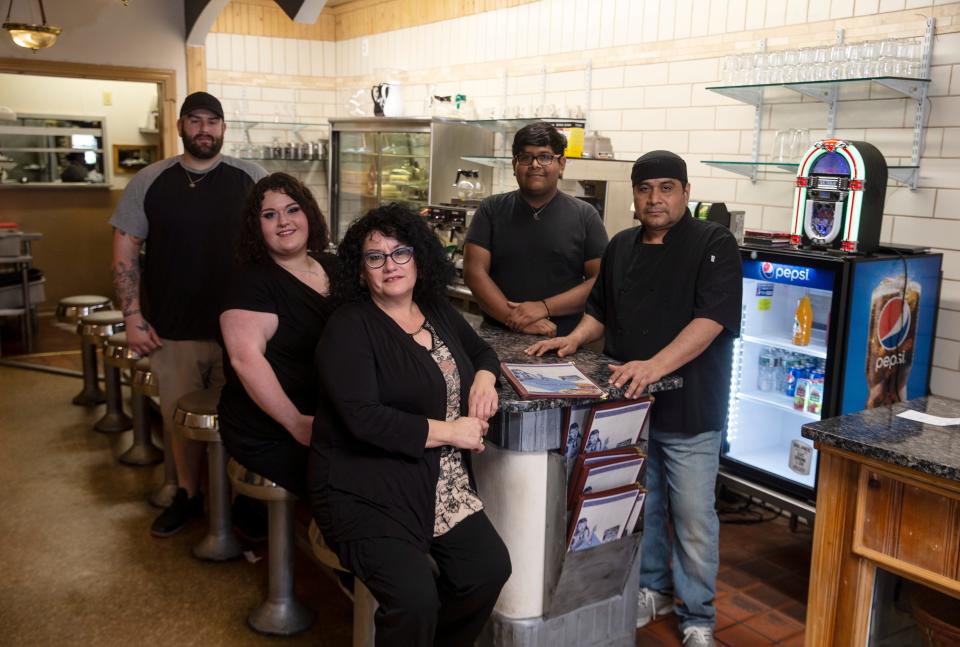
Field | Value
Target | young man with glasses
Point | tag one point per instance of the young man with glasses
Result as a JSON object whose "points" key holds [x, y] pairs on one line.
{"points": [[532, 255]]}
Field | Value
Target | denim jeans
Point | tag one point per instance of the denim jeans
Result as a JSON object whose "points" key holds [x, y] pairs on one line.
{"points": [[681, 477]]}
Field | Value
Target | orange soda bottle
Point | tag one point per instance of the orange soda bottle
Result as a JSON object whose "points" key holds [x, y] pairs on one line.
{"points": [[802, 322]]}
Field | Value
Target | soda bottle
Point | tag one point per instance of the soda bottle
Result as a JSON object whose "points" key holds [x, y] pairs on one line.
{"points": [[802, 322]]}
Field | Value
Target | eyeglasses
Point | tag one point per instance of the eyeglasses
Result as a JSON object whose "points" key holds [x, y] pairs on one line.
{"points": [[543, 159], [376, 260]]}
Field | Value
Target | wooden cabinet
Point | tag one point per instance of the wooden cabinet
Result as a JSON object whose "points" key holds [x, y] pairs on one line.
{"points": [[872, 514]]}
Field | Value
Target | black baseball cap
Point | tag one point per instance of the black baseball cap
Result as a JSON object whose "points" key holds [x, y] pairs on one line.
{"points": [[201, 101]]}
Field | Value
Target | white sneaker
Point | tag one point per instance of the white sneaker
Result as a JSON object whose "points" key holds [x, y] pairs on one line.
{"points": [[652, 604], [698, 636]]}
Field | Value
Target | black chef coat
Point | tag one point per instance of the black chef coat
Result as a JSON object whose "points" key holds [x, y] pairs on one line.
{"points": [[646, 294]]}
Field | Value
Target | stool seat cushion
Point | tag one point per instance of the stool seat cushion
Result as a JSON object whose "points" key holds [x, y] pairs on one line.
{"points": [[143, 379], [70, 309], [253, 485], [97, 326], [117, 353], [196, 415], [84, 300]]}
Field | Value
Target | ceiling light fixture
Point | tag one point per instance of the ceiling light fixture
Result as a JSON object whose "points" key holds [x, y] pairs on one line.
{"points": [[32, 36]]}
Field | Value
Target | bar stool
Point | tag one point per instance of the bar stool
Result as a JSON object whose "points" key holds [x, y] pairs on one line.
{"points": [[143, 377], [116, 356], [364, 604], [281, 614], [69, 312], [196, 418], [94, 329], [143, 384]]}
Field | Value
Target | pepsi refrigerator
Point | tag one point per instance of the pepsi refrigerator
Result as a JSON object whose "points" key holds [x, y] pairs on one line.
{"points": [[873, 323]]}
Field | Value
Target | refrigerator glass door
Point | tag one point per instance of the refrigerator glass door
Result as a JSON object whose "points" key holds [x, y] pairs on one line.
{"points": [[778, 385]]}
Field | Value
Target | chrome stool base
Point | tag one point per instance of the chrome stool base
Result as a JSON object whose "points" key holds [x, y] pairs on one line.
{"points": [[220, 544], [143, 451], [91, 395], [281, 618]]}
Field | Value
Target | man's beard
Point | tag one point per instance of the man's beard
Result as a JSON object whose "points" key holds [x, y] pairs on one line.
{"points": [[202, 151]]}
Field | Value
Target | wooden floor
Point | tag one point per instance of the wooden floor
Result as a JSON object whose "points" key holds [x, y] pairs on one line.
{"points": [[761, 586]]}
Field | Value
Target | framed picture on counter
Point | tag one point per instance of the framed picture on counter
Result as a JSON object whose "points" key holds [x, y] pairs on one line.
{"points": [[128, 159], [558, 380]]}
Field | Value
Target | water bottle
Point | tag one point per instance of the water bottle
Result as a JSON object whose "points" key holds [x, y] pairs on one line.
{"points": [[767, 371]]}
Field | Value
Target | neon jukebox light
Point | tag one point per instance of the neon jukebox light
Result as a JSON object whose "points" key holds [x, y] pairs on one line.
{"points": [[838, 200]]}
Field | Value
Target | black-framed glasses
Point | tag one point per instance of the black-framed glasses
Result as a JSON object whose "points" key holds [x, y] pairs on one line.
{"points": [[376, 260], [543, 159]]}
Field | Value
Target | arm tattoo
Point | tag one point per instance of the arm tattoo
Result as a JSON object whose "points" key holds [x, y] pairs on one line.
{"points": [[126, 278]]}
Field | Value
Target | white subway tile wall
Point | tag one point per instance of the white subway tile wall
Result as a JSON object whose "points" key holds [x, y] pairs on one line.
{"points": [[650, 61]]}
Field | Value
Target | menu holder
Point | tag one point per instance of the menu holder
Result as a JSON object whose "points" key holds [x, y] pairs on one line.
{"points": [[604, 471], [616, 424], [602, 517], [558, 380], [571, 432], [634, 517]]}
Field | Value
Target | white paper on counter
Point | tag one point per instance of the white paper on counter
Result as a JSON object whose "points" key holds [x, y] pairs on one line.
{"points": [[927, 419]]}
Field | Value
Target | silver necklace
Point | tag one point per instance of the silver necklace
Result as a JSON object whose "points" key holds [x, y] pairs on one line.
{"points": [[294, 269], [194, 182]]}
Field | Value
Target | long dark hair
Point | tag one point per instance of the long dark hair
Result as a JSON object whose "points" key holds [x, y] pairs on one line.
{"points": [[434, 269], [251, 248]]}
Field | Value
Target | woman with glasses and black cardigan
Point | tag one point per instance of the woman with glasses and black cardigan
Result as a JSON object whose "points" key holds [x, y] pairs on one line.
{"points": [[407, 388]]}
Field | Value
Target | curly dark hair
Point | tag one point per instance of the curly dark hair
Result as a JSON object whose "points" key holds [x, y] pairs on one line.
{"points": [[539, 133], [251, 248], [434, 269]]}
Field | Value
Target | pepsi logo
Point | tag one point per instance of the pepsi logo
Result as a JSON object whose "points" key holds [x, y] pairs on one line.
{"points": [[893, 324], [766, 269]]}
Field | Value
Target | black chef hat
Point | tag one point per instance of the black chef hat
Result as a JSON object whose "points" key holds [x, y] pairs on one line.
{"points": [[201, 101], [658, 164]]}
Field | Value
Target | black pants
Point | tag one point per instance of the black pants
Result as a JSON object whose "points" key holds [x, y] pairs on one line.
{"points": [[419, 610]]}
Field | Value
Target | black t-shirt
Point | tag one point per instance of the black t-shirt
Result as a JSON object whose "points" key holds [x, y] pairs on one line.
{"points": [[190, 235], [535, 255], [302, 315], [646, 294]]}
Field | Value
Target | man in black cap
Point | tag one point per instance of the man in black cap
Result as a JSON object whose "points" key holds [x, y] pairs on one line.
{"points": [[186, 211], [667, 300]]}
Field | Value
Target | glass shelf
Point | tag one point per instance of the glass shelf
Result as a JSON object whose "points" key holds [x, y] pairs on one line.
{"points": [[508, 161], [276, 125], [754, 94], [498, 125], [902, 174]]}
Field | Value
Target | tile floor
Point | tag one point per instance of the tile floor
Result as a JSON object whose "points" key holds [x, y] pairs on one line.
{"points": [[761, 588]]}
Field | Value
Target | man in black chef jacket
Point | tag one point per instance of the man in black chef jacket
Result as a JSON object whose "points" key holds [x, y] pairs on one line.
{"points": [[531, 254], [667, 300]]}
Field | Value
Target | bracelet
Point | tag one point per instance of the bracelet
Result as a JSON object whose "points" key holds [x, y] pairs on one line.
{"points": [[131, 313], [544, 302]]}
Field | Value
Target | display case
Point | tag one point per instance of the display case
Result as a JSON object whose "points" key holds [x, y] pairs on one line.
{"points": [[53, 151], [376, 161]]}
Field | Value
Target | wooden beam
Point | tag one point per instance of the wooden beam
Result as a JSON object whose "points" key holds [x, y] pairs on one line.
{"points": [[196, 69]]}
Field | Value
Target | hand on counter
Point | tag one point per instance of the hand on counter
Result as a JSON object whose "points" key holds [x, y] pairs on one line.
{"points": [[562, 345], [141, 337], [543, 327], [636, 374], [483, 402], [523, 314]]}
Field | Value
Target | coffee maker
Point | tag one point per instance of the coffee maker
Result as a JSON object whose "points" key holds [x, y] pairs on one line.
{"points": [[838, 201]]}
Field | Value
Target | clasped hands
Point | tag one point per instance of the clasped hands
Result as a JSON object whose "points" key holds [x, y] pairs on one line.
{"points": [[482, 403], [530, 317]]}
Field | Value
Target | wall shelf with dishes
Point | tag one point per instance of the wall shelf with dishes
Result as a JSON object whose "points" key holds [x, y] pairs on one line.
{"points": [[829, 74], [53, 151]]}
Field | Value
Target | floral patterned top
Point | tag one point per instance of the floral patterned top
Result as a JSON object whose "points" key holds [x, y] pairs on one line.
{"points": [[455, 500]]}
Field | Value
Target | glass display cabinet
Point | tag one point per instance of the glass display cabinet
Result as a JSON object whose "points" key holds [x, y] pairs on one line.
{"points": [[52, 150], [376, 161]]}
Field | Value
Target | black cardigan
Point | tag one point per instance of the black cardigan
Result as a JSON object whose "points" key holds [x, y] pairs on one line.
{"points": [[378, 388]]}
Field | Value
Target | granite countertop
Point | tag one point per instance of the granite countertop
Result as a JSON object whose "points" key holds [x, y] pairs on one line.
{"points": [[510, 345], [881, 435]]}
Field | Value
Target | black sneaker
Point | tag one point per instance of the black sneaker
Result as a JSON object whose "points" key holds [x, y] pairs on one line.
{"points": [[249, 519], [179, 512]]}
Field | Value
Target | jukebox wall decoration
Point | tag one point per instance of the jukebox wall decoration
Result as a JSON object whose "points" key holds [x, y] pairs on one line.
{"points": [[838, 200]]}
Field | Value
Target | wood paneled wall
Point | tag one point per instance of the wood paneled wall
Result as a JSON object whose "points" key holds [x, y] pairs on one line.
{"points": [[350, 20], [266, 18]]}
